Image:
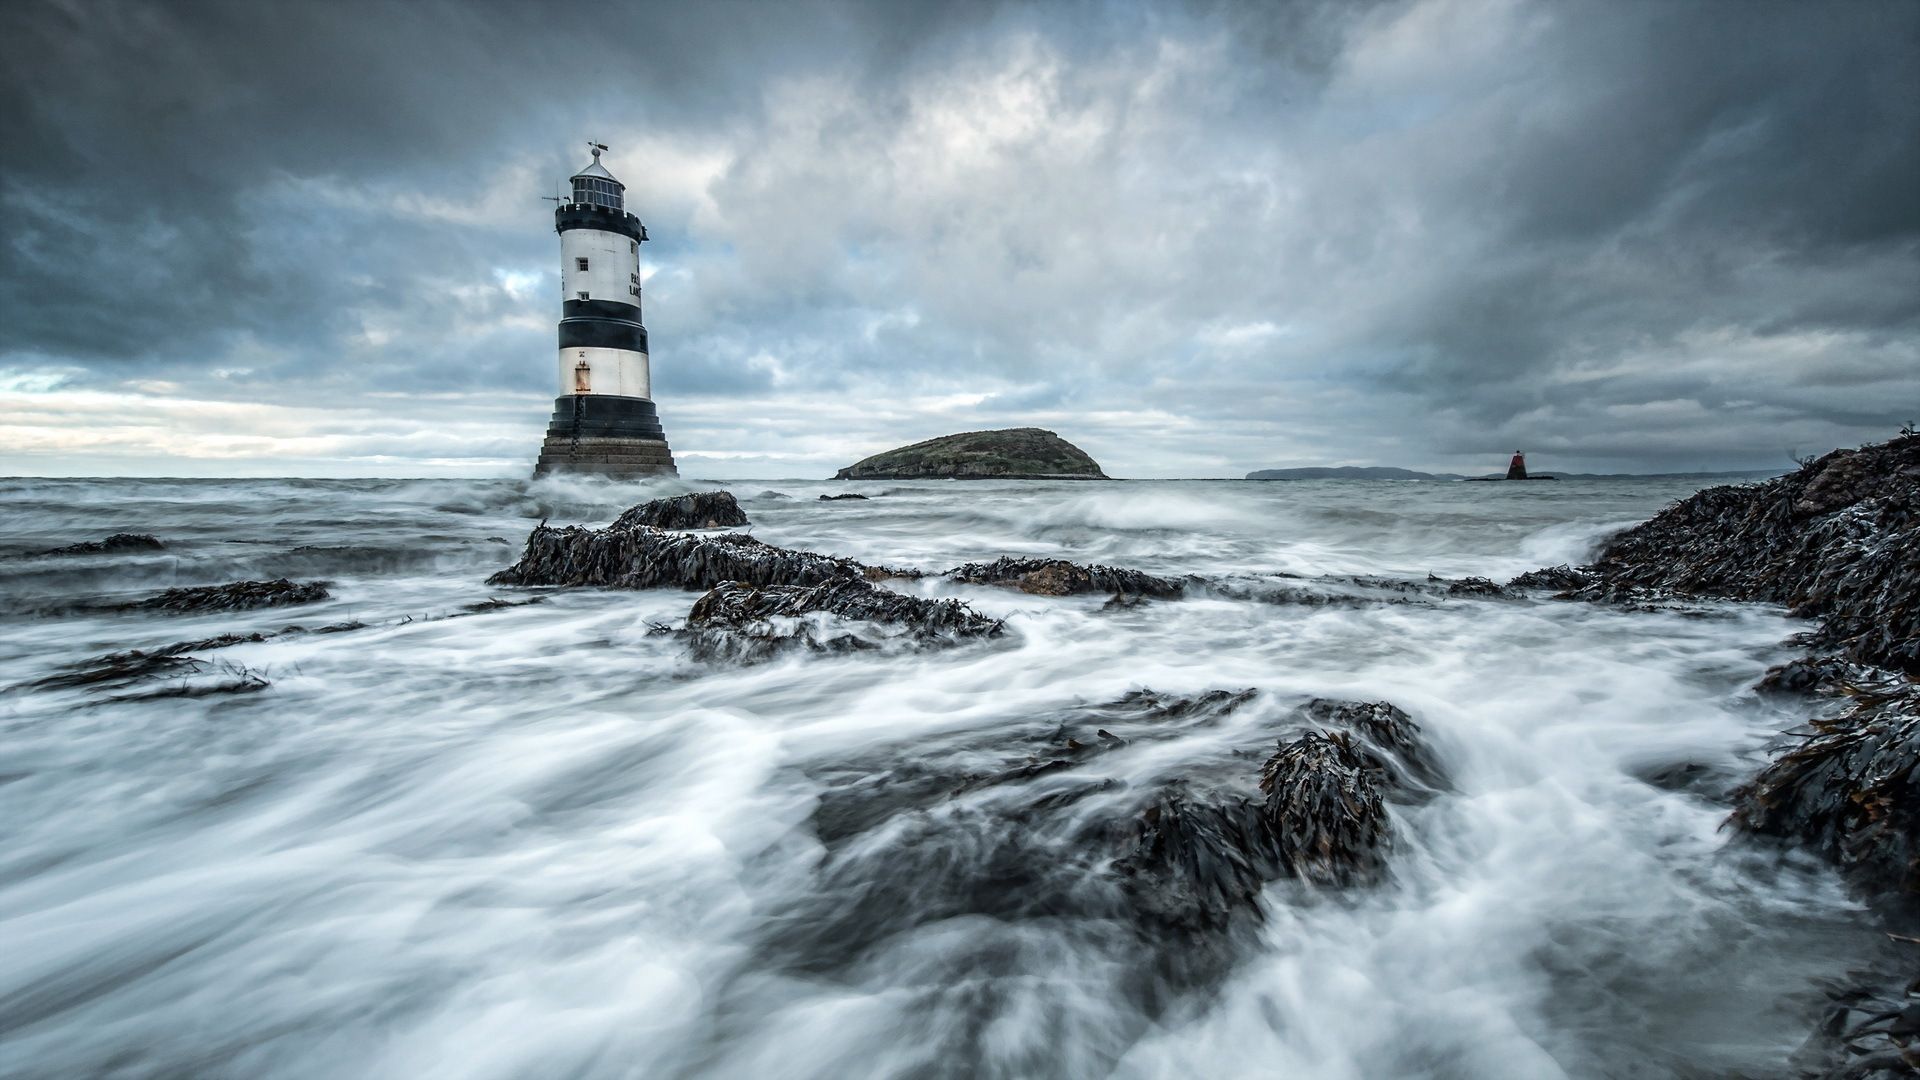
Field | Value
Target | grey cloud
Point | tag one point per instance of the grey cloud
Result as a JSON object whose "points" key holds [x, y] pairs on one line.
{"points": [[1408, 232]]}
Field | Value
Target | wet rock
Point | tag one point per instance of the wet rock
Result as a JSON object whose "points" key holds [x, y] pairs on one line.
{"points": [[843, 498], [1851, 788], [699, 510], [1057, 577], [1031, 820], [115, 544], [642, 557], [739, 621], [235, 596]]}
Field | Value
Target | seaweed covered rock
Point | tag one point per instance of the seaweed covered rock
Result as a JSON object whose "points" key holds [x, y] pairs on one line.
{"points": [[697, 510], [1393, 748], [1562, 578], [1324, 810], [117, 543], [1197, 863], [741, 621], [643, 557], [1008, 454], [1852, 789], [1834, 541], [236, 596], [1470, 586], [1057, 577]]}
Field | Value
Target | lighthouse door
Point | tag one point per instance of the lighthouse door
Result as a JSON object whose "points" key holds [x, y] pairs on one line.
{"points": [[582, 378]]}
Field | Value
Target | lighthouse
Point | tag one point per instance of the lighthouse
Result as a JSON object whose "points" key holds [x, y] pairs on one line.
{"points": [[603, 420]]}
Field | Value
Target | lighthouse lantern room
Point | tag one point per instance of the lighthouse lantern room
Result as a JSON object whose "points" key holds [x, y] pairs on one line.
{"points": [[604, 421]]}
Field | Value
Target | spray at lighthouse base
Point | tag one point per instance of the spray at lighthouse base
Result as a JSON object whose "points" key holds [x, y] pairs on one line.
{"points": [[604, 420]]}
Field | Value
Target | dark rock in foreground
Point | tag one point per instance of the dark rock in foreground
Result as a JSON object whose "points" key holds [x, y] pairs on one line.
{"points": [[698, 510], [1028, 820], [116, 543], [237, 596], [1057, 577], [1010, 454], [739, 621], [642, 557]]}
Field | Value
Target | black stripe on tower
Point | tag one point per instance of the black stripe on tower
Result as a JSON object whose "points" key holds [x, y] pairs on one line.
{"points": [[601, 309], [603, 334], [606, 219], [605, 416]]}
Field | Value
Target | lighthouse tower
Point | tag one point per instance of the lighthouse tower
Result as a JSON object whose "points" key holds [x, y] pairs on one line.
{"points": [[603, 419]]}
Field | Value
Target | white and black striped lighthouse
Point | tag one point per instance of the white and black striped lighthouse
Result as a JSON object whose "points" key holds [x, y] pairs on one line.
{"points": [[604, 421]]}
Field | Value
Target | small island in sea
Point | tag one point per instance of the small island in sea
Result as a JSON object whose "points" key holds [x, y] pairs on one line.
{"points": [[1007, 454]]}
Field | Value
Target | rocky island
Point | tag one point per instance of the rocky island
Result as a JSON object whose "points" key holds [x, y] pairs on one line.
{"points": [[1007, 454]]}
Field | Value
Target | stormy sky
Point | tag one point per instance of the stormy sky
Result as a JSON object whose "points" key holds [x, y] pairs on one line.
{"points": [[1196, 239]]}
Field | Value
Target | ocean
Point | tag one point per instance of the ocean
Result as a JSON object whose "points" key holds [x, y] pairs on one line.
{"points": [[426, 835]]}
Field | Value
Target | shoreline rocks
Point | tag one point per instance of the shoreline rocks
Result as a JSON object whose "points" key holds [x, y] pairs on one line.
{"points": [[1835, 541]]}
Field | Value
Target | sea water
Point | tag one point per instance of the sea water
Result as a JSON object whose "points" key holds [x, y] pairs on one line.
{"points": [[542, 840]]}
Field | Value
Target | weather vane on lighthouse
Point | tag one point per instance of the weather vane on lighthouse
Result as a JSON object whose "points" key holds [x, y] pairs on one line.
{"points": [[604, 421]]}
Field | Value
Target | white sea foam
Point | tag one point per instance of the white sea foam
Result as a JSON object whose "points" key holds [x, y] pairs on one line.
{"points": [[543, 841]]}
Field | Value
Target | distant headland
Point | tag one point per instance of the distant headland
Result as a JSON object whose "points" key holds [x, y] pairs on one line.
{"points": [[1007, 454], [1349, 472]]}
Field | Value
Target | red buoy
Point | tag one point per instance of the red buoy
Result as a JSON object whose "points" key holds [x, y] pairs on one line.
{"points": [[1517, 468]]}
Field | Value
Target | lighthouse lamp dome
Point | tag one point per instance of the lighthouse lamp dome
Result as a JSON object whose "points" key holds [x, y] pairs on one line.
{"points": [[595, 186]]}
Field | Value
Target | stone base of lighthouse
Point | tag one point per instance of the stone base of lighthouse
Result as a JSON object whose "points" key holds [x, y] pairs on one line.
{"points": [[605, 435]]}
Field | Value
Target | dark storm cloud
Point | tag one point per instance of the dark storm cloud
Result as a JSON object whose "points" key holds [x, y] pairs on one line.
{"points": [[1208, 237]]}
